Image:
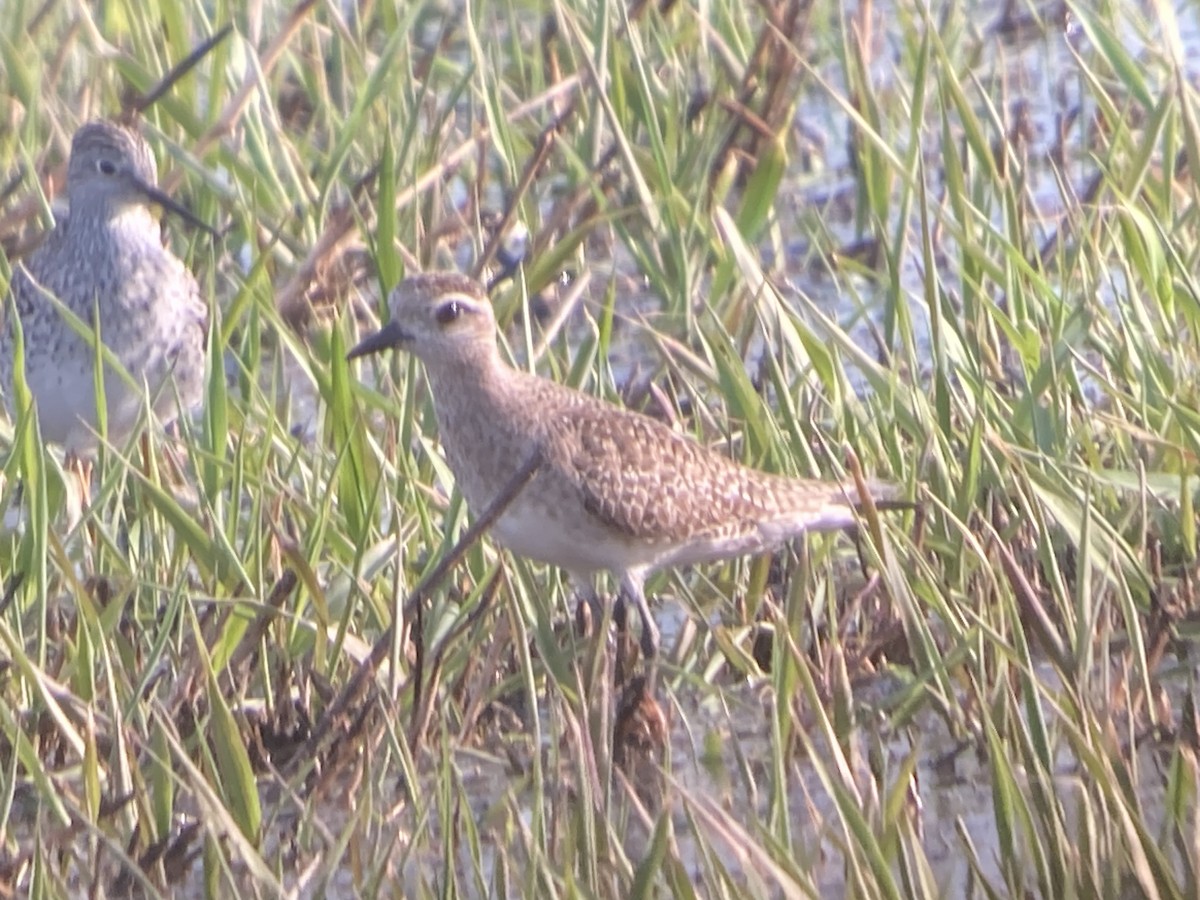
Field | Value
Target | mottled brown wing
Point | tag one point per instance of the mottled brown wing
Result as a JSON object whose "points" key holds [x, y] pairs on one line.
{"points": [[645, 481]]}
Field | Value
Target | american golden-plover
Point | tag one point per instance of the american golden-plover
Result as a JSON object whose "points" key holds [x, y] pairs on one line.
{"points": [[616, 490], [105, 262]]}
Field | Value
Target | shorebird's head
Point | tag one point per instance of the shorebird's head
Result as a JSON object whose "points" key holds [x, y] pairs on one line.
{"points": [[113, 170], [436, 315]]}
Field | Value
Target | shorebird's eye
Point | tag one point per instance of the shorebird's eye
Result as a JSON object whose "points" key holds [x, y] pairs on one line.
{"points": [[106, 167], [448, 312]]}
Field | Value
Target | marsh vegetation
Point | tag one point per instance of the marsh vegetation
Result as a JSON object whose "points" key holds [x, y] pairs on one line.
{"points": [[952, 244]]}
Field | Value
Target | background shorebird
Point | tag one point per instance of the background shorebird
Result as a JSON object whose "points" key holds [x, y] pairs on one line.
{"points": [[104, 263]]}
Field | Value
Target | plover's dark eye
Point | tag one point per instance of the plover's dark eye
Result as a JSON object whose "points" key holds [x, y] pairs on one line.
{"points": [[448, 312], [106, 167]]}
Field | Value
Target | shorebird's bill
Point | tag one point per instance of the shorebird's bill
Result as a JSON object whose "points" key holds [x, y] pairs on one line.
{"points": [[388, 337], [156, 196]]}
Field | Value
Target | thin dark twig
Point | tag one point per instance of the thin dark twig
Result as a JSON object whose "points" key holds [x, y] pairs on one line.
{"points": [[171, 78], [10, 590], [418, 634], [281, 590], [422, 707], [495, 509], [353, 691], [533, 166]]}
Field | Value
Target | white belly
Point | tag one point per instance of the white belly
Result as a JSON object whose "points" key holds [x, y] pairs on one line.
{"points": [[576, 543]]}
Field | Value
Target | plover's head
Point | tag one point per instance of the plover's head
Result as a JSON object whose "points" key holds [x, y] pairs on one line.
{"points": [[435, 315]]}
